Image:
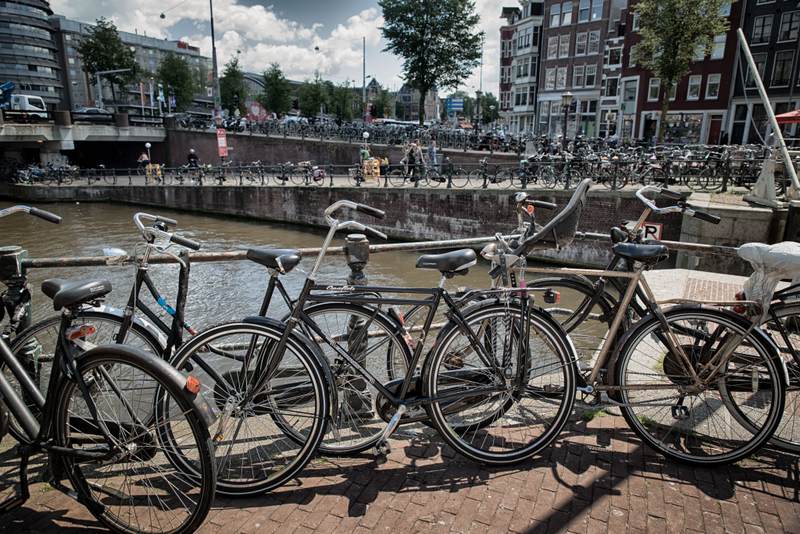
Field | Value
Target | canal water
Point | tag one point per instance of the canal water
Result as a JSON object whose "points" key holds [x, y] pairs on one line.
{"points": [[218, 291]]}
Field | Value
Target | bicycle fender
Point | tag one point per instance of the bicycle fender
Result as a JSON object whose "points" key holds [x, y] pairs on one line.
{"points": [[147, 325], [322, 361], [156, 366]]}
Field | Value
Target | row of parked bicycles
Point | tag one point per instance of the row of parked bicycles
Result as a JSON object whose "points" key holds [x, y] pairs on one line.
{"points": [[149, 419]]}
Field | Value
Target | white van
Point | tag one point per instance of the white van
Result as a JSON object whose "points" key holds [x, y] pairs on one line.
{"points": [[30, 104]]}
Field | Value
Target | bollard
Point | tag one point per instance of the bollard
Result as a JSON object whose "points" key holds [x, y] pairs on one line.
{"points": [[357, 256]]}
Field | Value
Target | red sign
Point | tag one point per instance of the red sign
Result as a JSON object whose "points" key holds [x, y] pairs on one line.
{"points": [[222, 143]]}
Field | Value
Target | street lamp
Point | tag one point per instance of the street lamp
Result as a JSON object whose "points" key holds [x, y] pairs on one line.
{"points": [[148, 146], [566, 102]]}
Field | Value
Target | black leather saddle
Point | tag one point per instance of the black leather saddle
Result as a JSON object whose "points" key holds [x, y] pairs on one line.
{"points": [[650, 254], [449, 263], [68, 294], [282, 260]]}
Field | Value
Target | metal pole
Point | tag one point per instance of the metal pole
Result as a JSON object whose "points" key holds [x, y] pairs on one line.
{"points": [[215, 67], [364, 79], [98, 99], [787, 159]]}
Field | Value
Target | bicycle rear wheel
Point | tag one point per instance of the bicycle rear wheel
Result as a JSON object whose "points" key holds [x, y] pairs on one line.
{"points": [[135, 485], [699, 425], [264, 434], [506, 411], [460, 178], [397, 178]]}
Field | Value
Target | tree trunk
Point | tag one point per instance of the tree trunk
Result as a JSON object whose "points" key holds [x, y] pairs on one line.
{"points": [[423, 93], [662, 124]]}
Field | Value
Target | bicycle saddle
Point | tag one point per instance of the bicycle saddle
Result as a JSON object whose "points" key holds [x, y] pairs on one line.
{"points": [[282, 260], [449, 263], [67, 294], [650, 254]]}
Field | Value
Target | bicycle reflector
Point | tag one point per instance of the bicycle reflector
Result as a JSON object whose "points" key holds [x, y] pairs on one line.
{"points": [[740, 308], [81, 331], [552, 297], [192, 385]]}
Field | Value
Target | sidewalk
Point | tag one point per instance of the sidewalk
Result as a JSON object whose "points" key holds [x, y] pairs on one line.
{"points": [[597, 477]]}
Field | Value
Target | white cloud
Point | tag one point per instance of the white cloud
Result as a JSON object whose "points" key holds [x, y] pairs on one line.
{"points": [[262, 36]]}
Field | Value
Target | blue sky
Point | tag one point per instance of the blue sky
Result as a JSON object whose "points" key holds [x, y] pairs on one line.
{"points": [[283, 31]]}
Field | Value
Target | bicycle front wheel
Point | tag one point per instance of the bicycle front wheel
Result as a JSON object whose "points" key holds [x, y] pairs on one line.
{"points": [[505, 398], [271, 408], [131, 481], [700, 423], [397, 178]]}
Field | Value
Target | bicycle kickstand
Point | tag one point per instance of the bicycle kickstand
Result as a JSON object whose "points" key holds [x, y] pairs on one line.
{"points": [[19, 498], [382, 447]]}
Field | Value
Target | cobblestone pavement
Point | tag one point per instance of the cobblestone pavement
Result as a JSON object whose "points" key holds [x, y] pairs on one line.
{"points": [[597, 477]]}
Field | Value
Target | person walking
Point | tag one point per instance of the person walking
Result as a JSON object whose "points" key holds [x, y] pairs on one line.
{"points": [[433, 155]]}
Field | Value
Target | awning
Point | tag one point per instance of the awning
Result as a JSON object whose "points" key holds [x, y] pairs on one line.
{"points": [[792, 117]]}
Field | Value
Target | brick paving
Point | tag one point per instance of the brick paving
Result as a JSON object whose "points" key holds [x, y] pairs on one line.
{"points": [[597, 477]]}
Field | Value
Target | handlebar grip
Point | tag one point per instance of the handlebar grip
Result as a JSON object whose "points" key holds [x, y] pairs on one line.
{"points": [[376, 233], [46, 215], [542, 204], [185, 242], [167, 220], [672, 195], [369, 210], [707, 217]]}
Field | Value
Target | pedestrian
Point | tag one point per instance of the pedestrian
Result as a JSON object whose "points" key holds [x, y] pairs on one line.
{"points": [[143, 162], [411, 160], [192, 159], [433, 155]]}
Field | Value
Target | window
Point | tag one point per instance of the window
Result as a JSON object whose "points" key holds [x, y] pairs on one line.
{"points": [[71, 61], [762, 30], [782, 71], [761, 64], [566, 13], [577, 76], [561, 78], [725, 9], [580, 44], [718, 48], [635, 22], [613, 57], [555, 15], [790, 24], [531, 95], [632, 55], [611, 87], [653, 89], [591, 75], [597, 9], [594, 42], [550, 79], [505, 75], [522, 68], [699, 53], [712, 86], [583, 11], [673, 91], [544, 116], [693, 92], [552, 47], [563, 45]]}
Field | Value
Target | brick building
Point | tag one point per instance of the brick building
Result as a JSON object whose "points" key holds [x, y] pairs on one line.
{"points": [[520, 43]]}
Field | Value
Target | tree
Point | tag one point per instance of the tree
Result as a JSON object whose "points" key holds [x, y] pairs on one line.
{"points": [[177, 78], [438, 41], [277, 94], [382, 105], [312, 96], [233, 90], [490, 108], [102, 50], [672, 32], [342, 102]]}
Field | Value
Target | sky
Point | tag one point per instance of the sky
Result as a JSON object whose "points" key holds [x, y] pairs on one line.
{"points": [[286, 32]]}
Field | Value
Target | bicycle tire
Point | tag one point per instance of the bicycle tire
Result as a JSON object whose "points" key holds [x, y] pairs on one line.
{"points": [[397, 178], [683, 443], [297, 178], [460, 178], [477, 178], [43, 335], [221, 389], [136, 447], [503, 179], [454, 431]]}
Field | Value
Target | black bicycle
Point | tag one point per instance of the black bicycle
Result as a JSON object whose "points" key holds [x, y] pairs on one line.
{"points": [[99, 426]]}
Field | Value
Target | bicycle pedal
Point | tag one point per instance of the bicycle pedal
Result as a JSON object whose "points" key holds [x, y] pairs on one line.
{"points": [[680, 412]]}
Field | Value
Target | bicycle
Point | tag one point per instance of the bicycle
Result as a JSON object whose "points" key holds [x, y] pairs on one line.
{"points": [[710, 356], [468, 392], [481, 177], [420, 174], [96, 425]]}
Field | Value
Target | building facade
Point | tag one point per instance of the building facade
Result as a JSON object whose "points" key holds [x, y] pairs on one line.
{"points": [[28, 50], [520, 41], [772, 30], [407, 104], [80, 88]]}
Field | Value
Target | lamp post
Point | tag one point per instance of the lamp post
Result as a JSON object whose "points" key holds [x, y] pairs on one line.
{"points": [[566, 102], [147, 146]]}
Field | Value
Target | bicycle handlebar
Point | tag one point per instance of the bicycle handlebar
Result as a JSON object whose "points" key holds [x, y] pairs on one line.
{"points": [[150, 233], [36, 212], [184, 242], [681, 207]]}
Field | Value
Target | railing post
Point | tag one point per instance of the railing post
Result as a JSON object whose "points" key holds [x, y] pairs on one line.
{"points": [[330, 174], [357, 256], [12, 275], [449, 168]]}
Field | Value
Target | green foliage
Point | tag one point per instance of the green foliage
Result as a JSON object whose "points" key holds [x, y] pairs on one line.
{"points": [[341, 102], [232, 87], [312, 96], [438, 41], [277, 94], [382, 104], [671, 32], [178, 79], [102, 49], [489, 115]]}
